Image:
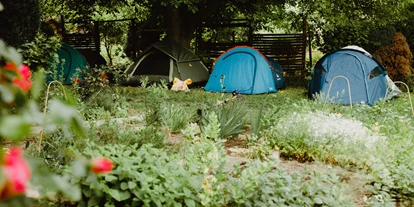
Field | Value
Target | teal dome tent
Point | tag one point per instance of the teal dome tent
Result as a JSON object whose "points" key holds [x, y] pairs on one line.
{"points": [[66, 68], [245, 70]]}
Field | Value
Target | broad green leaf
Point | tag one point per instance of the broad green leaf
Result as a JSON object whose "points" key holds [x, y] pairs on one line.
{"points": [[6, 94], [131, 185], [115, 194], [94, 201], [37, 86], [79, 168], [189, 202], [318, 201], [110, 178], [109, 205], [14, 127], [124, 186], [187, 192], [195, 181], [124, 195]]}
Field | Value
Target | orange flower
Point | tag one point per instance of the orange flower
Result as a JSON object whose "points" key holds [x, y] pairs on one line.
{"points": [[16, 172], [75, 80], [23, 78], [103, 75], [101, 165]]}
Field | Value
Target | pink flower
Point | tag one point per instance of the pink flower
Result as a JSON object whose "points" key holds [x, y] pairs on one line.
{"points": [[23, 78], [101, 165], [25, 72], [16, 172]]}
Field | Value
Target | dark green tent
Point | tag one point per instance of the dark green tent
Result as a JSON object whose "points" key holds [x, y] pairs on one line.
{"points": [[166, 60], [69, 61]]}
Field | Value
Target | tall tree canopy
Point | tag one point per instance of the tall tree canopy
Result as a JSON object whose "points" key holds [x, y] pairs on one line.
{"points": [[179, 17], [19, 21], [338, 22]]}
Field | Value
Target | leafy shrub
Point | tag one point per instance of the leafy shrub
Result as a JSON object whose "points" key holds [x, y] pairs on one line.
{"points": [[155, 96], [19, 21], [230, 114], [110, 133], [396, 58], [93, 80], [39, 53], [196, 176], [149, 176], [174, 117]]}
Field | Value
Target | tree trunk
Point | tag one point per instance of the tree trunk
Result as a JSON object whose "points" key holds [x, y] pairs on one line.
{"points": [[181, 25]]}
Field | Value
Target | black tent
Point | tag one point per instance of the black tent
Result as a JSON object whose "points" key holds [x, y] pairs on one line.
{"points": [[165, 60]]}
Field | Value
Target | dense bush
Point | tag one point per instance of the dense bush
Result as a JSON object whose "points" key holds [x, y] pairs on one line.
{"points": [[19, 21], [363, 34], [196, 176], [396, 58], [40, 52]]}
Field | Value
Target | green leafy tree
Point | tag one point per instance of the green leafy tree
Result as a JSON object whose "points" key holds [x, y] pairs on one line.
{"points": [[19, 21], [180, 17], [336, 24]]}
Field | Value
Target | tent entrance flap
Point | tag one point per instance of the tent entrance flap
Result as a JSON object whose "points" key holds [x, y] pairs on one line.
{"points": [[139, 62]]}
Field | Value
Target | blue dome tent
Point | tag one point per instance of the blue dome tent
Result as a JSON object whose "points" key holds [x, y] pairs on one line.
{"points": [[245, 70], [350, 75]]}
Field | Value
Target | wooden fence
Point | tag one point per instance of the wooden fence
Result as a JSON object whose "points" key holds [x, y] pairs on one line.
{"points": [[289, 50]]}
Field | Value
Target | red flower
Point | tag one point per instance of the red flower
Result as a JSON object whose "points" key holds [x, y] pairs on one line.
{"points": [[101, 165], [16, 172], [10, 66], [23, 78]]}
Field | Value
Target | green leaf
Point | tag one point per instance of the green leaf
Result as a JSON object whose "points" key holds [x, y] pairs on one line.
{"points": [[195, 181], [125, 195], [115, 194], [124, 186], [94, 201], [187, 192], [119, 195], [79, 168], [318, 201], [14, 127], [37, 86], [110, 178], [283, 190], [131, 185], [189, 202], [63, 114], [6, 94]]}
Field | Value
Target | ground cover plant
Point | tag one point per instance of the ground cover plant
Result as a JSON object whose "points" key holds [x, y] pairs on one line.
{"points": [[175, 149]]}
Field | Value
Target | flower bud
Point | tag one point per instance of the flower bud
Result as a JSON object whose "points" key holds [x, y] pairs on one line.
{"points": [[101, 165]]}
